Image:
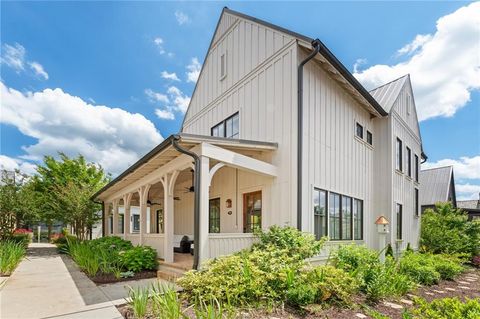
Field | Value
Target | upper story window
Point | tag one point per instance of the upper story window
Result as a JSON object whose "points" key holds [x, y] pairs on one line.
{"points": [[399, 221], [417, 167], [223, 66], [398, 162], [409, 161], [228, 128], [369, 138], [359, 131]]}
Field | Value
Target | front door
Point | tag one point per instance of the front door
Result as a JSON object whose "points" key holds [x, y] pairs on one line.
{"points": [[252, 212]]}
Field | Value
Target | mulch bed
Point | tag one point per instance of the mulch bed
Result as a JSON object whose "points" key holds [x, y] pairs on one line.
{"points": [[101, 278]]}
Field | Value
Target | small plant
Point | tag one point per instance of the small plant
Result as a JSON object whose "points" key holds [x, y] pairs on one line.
{"points": [[476, 261], [446, 308], [211, 310], [139, 258], [85, 257], [138, 301], [11, 253], [127, 274], [165, 301], [389, 251]]}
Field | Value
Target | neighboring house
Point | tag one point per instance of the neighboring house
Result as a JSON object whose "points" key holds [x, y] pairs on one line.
{"points": [[472, 207], [438, 185], [245, 160]]}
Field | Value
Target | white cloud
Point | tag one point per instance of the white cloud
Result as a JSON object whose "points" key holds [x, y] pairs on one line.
{"points": [[180, 100], [467, 188], [12, 164], [156, 97], [463, 168], [165, 114], [14, 56], [38, 69], [193, 70], [111, 137], [444, 66], [169, 76], [182, 18], [358, 63], [159, 43]]}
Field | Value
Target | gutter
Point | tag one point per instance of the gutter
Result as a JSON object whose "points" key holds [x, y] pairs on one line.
{"points": [[316, 44], [196, 203]]}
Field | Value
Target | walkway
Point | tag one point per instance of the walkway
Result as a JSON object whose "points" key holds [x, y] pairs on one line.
{"points": [[48, 285]]}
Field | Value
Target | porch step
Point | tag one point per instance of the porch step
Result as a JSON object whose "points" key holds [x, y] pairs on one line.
{"points": [[169, 272]]}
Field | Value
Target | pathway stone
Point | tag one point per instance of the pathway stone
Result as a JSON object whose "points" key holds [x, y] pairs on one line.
{"points": [[463, 282], [429, 293], [411, 296], [471, 280], [407, 302], [464, 287], [450, 289], [439, 291], [360, 315], [393, 305]]}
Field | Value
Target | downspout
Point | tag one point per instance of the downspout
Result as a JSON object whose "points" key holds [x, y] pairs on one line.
{"points": [[316, 47], [196, 205]]}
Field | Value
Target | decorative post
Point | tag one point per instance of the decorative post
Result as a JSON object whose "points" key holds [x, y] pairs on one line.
{"points": [[127, 198], [143, 195], [382, 229], [202, 245], [168, 182], [115, 216]]}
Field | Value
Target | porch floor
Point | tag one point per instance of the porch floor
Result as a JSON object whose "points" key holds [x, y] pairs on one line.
{"points": [[180, 261]]}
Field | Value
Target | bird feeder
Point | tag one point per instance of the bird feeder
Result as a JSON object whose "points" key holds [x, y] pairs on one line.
{"points": [[382, 225]]}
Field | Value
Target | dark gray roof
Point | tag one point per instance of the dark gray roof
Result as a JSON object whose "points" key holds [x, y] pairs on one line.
{"points": [[435, 185], [469, 204], [387, 94]]}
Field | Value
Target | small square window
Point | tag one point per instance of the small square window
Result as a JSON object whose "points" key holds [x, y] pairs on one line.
{"points": [[369, 138], [223, 66], [359, 131]]}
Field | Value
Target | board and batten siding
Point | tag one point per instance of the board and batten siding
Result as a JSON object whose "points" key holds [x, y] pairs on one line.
{"points": [[334, 158]]}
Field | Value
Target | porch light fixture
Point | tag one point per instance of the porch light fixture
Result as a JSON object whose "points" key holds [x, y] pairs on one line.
{"points": [[228, 203]]}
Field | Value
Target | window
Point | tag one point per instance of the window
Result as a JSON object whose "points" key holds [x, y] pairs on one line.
{"points": [[228, 128], [252, 212], [160, 222], [120, 223], [320, 213], [359, 131], [334, 216], [136, 223], [369, 138], [110, 224], [416, 167], [409, 161], [223, 66], [340, 217], [346, 217], [214, 215], [398, 164], [415, 209], [399, 221], [358, 219]]}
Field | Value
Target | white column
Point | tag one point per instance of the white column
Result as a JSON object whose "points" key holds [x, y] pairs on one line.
{"points": [[168, 182], [115, 216], [202, 245], [107, 218], [143, 195], [127, 198]]}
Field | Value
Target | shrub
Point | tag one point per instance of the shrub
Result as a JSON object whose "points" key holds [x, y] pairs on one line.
{"points": [[11, 253], [138, 300], [447, 230], [353, 257], [165, 302], [389, 251], [447, 308], [139, 258], [331, 284], [85, 256], [21, 238], [476, 261], [111, 243], [302, 294], [63, 243]]}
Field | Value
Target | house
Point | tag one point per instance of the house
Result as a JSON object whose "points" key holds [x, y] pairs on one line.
{"points": [[471, 207], [278, 132], [438, 185]]}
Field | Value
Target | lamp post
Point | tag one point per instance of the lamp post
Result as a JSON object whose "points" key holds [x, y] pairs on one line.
{"points": [[382, 229]]}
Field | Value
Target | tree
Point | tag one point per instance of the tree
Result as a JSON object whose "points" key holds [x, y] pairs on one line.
{"points": [[66, 186]]}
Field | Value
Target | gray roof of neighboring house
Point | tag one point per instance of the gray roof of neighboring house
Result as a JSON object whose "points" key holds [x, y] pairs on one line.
{"points": [[435, 185], [387, 94], [469, 204]]}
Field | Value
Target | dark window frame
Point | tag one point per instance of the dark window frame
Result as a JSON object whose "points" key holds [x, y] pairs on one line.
{"points": [[318, 236], [399, 217], [417, 168], [246, 214], [340, 217], [369, 137], [355, 203], [217, 221], [408, 154], [223, 124], [399, 155], [416, 208], [357, 127]]}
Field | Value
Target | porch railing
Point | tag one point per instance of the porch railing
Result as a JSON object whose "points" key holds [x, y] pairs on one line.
{"points": [[225, 244]]}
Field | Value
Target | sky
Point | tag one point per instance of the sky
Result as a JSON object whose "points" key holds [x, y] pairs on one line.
{"points": [[111, 80]]}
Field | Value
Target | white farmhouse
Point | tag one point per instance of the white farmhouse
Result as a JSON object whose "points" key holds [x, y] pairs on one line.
{"points": [[278, 132]]}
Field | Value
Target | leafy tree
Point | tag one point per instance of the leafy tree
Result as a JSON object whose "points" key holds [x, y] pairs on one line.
{"points": [[66, 186], [448, 230]]}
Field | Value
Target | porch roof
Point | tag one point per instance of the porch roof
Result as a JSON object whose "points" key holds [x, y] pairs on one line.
{"points": [[165, 152]]}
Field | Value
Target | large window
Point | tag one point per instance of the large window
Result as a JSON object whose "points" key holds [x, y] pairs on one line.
{"points": [[398, 164], [320, 213], [409, 161], [334, 216], [415, 209], [252, 212], [417, 167], [228, 128], [358, 219], [214, 215], [346, 218], [399, 221]]}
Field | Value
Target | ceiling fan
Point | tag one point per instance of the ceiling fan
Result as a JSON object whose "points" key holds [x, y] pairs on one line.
{"points": [[190, 189]]}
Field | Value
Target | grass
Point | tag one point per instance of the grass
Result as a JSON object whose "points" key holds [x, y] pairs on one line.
{"points": [[11, 253]]}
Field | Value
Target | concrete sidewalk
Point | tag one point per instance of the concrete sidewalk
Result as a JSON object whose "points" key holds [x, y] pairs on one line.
{"points": [[46, 286]]}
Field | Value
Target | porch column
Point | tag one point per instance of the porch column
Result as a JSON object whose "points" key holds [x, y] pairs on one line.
{"points": [[115, 216], [127, 198], [143, 195], [202, 245], [107, 219], [168, 182]]}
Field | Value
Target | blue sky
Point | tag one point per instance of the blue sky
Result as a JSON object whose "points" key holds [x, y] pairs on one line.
{"points": [[74, 64]]}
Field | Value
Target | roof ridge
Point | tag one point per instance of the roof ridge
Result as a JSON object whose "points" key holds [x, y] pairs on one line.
{"points": [[432, 168], [395, 80]]}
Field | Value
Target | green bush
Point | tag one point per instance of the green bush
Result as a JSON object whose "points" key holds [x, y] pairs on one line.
{"points": [[63, 243], [353, 257], [111, 243], [11, 253], [139, 258], [447, 230], [85, 256], [447, 308], [22, 239]]}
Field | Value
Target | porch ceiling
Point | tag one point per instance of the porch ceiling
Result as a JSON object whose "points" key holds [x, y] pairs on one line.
{"points": [[165, 153]]}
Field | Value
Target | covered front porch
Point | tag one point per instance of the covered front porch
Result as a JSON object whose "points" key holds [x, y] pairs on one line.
{"points": [[154, 202]]}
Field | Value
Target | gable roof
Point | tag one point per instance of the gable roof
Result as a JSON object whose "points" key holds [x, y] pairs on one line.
{"points": [[435, 185], [469, 204], [387, 94]]}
